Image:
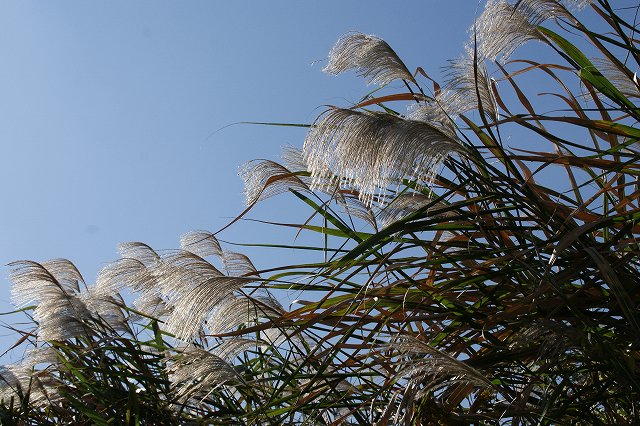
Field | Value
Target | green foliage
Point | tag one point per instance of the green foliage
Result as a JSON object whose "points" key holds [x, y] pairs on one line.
{"points": [[464, 279]]}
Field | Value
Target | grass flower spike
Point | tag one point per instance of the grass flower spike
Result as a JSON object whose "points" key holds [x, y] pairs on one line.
{"points": [[370, 56], [371, 151], [504, 27]]}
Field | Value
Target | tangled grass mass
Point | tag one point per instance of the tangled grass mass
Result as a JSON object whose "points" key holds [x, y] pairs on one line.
{"points": [[466, 277]]}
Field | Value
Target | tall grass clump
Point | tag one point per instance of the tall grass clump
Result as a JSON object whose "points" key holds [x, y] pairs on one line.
{"points": [[479, 260]]}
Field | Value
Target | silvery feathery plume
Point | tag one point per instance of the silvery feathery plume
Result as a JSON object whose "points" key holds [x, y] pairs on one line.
{"points": [[196, 371], [20, 379], [435, 112], [11, 379], [295, 161], [231, 348], [65, 273], [46, 355], [405, 204], [355, 207], [429, 367], [235, 311], [372, 150], [628, 86], [123, 273], [63, 317], [35, 282], [264, 179], [14, 381], [133, 275], [139, 251], [370, 56], [467, 88], [201, 243], [53, 286], [426, 368], [138, 271], [193, 288], [44, 389], [159, 282], [106, 307], [180, 285], [504, 27], [238, 264], [153, 305]]}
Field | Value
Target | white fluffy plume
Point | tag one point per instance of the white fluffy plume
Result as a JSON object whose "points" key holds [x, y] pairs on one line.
{"points": [[195, 371], [53, 287], [371, 151], [503, 27], [370, 56], [265, 178]]}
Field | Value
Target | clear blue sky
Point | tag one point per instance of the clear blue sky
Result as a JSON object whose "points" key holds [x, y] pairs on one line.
{"points": [[109, 109]]}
